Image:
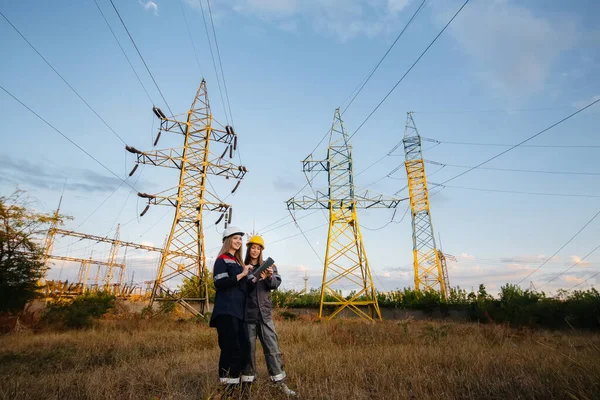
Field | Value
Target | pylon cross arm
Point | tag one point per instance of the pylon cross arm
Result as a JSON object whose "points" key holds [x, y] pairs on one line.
{"points": [[308, 203], [310, 165], [168, 125], [121, 243], [380, 201], [172, 201], [169, 158], [91, 262]]}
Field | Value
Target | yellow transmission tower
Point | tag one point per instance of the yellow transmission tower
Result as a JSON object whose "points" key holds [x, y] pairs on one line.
{"points": [[82, 276], [112, 260], [429, 274], [115, 242], [443, 261], [55, 221], [346, 266], [184, 255]]}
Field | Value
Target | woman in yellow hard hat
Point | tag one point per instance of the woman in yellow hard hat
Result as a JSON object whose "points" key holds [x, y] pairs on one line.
{"points": [[260, 320]]}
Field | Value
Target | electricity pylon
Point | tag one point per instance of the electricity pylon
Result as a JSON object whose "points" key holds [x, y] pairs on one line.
{"points": [[112, 260], [184, 251], [444, 263], [345, 257], [110, 264], [104, 239], [51, 288], [82, 276], [427, 265], [49, 243]]}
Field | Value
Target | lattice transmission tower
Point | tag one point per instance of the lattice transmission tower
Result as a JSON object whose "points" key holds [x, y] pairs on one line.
{"points": [[428, 268], [55, 221], [184, 254], [345, 266]]}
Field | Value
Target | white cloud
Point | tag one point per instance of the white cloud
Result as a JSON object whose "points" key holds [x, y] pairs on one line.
{"points": [[584, 102], [513, 49], [467, 256], [149, 6], [571, 279], [577, 260], [538, 259], [345, 19], [281, 7], [395, 6]]}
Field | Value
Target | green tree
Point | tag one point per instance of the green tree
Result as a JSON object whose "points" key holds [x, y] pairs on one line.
{"points": [[21, 260], [190, 287]]}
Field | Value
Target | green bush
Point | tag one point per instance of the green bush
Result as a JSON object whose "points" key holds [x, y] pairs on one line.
{"points": [[514, 306], [80, 312], [167, 307]]}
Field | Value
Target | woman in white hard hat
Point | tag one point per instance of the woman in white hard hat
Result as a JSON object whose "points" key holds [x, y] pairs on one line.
{"points": [[260, 320], [229, 274]]}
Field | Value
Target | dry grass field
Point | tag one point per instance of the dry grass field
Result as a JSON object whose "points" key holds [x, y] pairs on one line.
{"points": [[344, 359]]}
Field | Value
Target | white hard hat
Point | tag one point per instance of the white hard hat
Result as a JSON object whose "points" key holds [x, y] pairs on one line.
{"points": [[232, 230]]}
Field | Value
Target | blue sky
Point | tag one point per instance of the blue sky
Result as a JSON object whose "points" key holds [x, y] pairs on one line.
{"points": [[503, 71]]}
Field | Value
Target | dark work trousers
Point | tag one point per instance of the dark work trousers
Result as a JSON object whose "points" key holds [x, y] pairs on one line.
{"points": [[234, 345]]}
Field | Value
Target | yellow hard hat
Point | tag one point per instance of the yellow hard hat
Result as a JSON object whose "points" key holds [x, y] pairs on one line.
{"points": [[256, 240]]}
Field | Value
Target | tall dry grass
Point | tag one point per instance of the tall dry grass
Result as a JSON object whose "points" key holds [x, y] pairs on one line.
{"points": [[159, 359]]}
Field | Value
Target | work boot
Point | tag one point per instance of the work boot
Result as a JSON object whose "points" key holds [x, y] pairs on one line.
{"points": [[284, 389]]}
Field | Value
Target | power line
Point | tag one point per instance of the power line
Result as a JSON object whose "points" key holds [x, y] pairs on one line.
{"points": [[410, 69], [100, 205], [113, 192], [363, 83], [581, 283], [385, 55], [62, 78], [515, 170], [309, 243], [298, 234], [389, 153], [518, 192], [212, 55], [391, 220], [493, 110], [511, 145], [153, 225], [290, 222], [561, 247], [239, 153], [373, 164], [522, 142], [276, 222], [191, 39], [125, 202], [123, 51], [220, 62], [141, 57], [66, 137], [571, 267]]}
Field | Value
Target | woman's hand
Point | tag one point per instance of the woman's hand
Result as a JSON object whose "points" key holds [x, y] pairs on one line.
{"points": [[245, 272], [267, 273]]}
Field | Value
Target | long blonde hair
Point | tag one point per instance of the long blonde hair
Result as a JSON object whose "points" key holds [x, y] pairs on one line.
{"points": [[227, 246], [260, 256]]}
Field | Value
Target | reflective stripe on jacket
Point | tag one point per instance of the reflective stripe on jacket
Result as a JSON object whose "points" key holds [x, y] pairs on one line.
{"points": [[231, 294]]}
